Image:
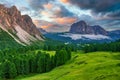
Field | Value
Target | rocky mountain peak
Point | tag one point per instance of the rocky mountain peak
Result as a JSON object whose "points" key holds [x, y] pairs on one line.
{"points": [[22, 26], [81, 27]]}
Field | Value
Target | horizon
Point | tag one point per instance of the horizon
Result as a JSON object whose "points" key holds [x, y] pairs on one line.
{"points": [[59, 15]]}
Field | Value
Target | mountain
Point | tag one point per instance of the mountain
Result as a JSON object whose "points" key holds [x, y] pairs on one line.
{"points": [[84, 38], [115, 34], [77, 38], [42, 31], [81, 27], [6, 41], [80, 32], [20, 27]]}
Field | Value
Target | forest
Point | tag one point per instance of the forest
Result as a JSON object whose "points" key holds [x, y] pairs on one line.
{"points": [[112, 46], [24, 60]]}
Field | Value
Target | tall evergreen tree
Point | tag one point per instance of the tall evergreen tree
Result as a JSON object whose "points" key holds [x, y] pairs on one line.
{"points": [[9, 70]]}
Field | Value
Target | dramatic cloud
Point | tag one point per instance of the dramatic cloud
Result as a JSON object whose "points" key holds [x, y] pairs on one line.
{"points": [[48, 6], [65, 1], [50, 26], [98, 6], [65, 20], [63, 12], [58, 15], [38, 4]]}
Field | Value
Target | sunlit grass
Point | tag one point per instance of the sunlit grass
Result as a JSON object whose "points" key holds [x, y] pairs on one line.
{"points": [[90, 66]]}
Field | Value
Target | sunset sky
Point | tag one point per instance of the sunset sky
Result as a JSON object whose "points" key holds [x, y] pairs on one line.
{"points": [[58, 15]]}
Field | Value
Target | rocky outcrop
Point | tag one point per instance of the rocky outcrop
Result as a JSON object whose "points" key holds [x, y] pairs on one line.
{"points": [[81, 27], [13, 22]]}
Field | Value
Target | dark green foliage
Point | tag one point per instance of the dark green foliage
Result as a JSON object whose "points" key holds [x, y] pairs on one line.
{"points": [[41, 63], [61, 57], [8, 69], [113, 46], [6, 41], [26, 60], [22, 60], [48, 62]]}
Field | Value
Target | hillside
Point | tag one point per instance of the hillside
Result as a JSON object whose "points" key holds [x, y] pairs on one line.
{"points": [[20, 27], [92, 66], [6, 41]]}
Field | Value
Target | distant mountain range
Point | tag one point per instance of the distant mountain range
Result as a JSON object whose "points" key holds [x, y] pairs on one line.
{"points": [[81, 32], [20, 27]]}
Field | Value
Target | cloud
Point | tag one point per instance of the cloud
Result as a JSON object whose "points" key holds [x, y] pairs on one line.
{"points": [[38, 4], [63, 12], [24, 9], [115, 15], [7, 3], [65, 20], [54, 15], [62, 18], [50, 9], [56, 10], [98, 6], [64, 1], [48, 6], [50, 26]]}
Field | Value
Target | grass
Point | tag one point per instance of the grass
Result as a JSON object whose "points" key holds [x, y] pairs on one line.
{"points": [[91, 66], [6, 41], [52, 53]]}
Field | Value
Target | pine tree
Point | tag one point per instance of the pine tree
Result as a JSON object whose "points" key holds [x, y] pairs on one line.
{"points": [[9, 70], [41, 63], [48, 62]]}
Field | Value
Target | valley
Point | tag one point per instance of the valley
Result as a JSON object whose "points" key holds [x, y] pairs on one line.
{"points": [[89, 66], [59, 40]]}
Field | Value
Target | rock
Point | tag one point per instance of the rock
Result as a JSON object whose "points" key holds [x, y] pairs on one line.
{"points": [[11, 17], [81, 27]]}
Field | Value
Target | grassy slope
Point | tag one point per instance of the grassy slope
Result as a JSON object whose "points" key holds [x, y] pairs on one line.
{"points": [[92, 66], [52, 53], [6, 41]]}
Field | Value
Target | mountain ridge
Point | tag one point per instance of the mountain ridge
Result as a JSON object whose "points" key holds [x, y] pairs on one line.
{"points": [[20, 27], [82, 27], [81, 32]]}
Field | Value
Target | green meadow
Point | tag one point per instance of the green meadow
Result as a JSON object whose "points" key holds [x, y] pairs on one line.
{"points": [[84, 66]]}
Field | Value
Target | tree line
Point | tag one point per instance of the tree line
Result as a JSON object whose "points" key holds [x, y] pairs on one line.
{"points": [[13, 64], [113, 46]]}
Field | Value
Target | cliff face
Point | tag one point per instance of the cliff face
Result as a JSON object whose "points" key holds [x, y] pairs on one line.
{"points": [[81, 27], [18, 26]]}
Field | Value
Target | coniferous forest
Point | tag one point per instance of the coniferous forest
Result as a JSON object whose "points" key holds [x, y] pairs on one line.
{"points": [[113, 47], [26, 60]]}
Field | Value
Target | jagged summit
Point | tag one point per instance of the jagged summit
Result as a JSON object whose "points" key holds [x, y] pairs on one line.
{"points": [[82, 27], [20, 27]]}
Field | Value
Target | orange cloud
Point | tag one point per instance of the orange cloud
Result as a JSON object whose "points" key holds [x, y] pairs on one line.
{"points": [[64, 1], [42, 24], [48, 6], [36, 22], [45, 13], [53, 26], [65, 20], [44, 27]]}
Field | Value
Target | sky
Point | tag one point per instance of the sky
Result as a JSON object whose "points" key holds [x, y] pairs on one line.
{"points": [[59, 15]]}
